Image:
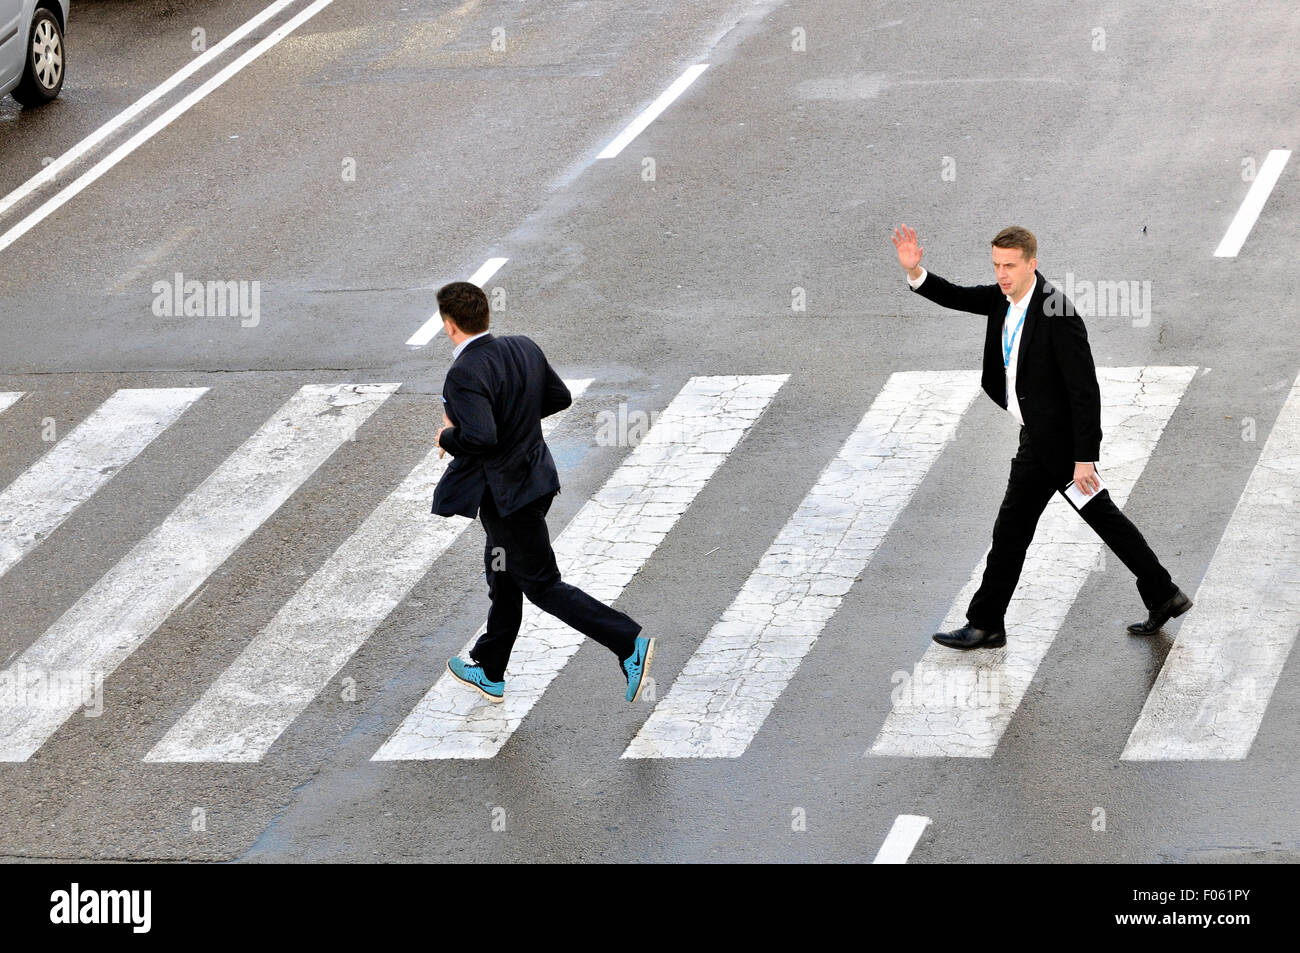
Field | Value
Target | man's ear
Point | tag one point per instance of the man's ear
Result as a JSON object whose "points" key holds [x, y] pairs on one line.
{"points": [[1033, 264]]}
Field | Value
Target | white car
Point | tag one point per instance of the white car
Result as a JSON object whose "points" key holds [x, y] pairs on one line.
{"points": [[32, 57]]}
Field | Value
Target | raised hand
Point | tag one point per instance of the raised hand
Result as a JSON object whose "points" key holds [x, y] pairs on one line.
{"points": [[909, 252]]}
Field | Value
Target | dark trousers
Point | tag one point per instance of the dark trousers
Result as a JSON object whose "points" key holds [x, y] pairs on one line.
{"points": [[1029, 490], [520, 562]]}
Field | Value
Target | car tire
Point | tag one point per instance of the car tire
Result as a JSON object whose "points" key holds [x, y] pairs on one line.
{"points": [[44, 69]]}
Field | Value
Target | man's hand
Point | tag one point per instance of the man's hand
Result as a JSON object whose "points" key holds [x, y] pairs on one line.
{"points": [[909, 252], [1085, 478], [446, 425]]}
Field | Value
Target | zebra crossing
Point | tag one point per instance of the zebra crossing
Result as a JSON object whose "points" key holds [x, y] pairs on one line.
{"points": [[311, 638], [978, 692], [1207, 703], [72, 472], [1209, 698], [165, 568], [600, 551], [716, 706]]}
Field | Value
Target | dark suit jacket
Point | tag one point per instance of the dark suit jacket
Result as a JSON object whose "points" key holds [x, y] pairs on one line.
{"points": [[1056, 382], [496, 394]]}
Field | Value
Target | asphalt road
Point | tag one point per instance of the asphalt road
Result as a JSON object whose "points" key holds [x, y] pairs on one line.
{"points": [[379, 151]]}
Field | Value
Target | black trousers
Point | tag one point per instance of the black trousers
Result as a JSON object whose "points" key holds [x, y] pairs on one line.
{"points": [[1029, 490], [520, 562]]}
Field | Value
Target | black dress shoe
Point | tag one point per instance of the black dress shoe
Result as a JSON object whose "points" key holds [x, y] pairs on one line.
{"points": [[969, 637], [1171, 608]]}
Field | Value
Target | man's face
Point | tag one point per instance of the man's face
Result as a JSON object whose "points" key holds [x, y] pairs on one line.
{"points": [[1014, 271]]}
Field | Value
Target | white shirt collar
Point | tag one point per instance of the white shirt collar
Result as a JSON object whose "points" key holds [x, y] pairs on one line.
{"points": [[1017, 305], [461, 346]]}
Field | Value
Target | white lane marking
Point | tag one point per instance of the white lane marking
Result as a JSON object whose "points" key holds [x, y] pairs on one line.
{"points": [[433, 326], [79, 184], [1210, 696], [486, 271], [322, 626], [605, 545], [1253, 203], [10, 397], [51, 171], [730, 685], [72, 472], [107, 624], [651, 112], [958, 704], [902, 838]]}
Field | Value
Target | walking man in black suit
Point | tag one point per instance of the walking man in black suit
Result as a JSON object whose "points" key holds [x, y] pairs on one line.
{"points": [[1038, 367], [496, 393]]}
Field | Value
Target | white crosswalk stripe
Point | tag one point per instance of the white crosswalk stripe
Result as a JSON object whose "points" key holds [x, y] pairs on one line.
{"points": [[325, 622], [958, 704], [77, 466], [1209, 699], [94, 636], [1208, 702], [718, 703], [600, 551]]}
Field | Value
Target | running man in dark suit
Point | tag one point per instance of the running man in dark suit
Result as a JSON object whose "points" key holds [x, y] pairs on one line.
{"points": [[495, 395], [1038, 367]]}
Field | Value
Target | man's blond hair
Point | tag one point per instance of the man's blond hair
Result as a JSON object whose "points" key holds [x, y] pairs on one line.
{"points": [[1013, 236]]}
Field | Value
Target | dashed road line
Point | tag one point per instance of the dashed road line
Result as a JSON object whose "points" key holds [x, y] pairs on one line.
{"points": [[429, 330], [651, 112], [1253, 203], [901, 839]]}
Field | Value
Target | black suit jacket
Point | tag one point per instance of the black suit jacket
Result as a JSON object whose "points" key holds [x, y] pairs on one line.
{"points": [[496, 394], [1056, 381]]}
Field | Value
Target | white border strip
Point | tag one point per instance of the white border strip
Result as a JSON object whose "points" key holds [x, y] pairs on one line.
{"points": [[51, 171], [1253, 204], [651, 112], [88, 177]]}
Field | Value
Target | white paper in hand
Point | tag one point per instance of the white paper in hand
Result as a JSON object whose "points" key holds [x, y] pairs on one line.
{"points": [[1077, 497]]}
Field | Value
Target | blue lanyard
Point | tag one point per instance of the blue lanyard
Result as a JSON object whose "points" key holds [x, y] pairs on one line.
{"points": [[1006, 348]]}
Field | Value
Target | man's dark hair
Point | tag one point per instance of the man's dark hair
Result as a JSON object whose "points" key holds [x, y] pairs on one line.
{"points": [[465, 304], [1013, 236]]}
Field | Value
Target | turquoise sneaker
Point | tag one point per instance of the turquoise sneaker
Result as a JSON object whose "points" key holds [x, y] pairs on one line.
{"points": [[637, 666], [472, 675]]}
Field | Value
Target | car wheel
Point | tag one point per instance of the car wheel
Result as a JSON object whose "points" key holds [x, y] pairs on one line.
{"points": [[43, 75]]}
